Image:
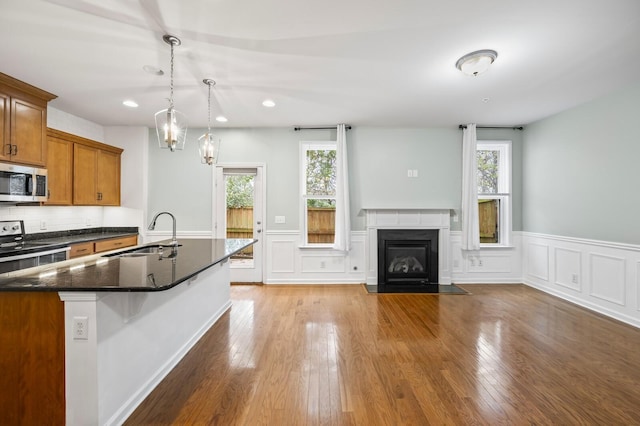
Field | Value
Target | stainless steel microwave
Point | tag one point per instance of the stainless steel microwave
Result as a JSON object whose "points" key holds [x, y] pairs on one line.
{"points": [[22, 184]]}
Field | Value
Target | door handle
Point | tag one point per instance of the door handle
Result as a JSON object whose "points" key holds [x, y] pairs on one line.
{"points": [[258, 230]]}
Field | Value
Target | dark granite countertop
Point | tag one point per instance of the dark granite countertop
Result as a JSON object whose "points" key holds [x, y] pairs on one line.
{"points": [[108, 272], [76, 236]]}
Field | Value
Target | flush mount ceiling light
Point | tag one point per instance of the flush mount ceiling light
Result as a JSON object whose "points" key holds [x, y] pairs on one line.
{"points": [[477, 62], [268, 103], [130, 103], [171, 125], [209, 144]]}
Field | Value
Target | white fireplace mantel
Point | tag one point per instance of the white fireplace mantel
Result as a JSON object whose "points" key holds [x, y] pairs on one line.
{"points": [[413, 218]]}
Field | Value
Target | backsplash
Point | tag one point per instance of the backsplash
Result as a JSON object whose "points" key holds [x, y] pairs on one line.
{"points": [[59, 218]]}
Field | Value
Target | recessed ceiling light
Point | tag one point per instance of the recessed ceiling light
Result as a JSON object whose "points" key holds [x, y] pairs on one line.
{"points": [[130, 103], [268, 103], [221, 119], [477, 62], [152, 70]]}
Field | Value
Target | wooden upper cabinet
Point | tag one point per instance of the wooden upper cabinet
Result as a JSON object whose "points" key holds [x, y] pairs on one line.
{"points": [[59, 168], [81, 171], [24, 122], [5, 126], [85, 160], [96, 174], [108, 178]]}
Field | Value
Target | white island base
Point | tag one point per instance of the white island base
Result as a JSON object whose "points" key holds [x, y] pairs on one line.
{"points": [[132, 341]]}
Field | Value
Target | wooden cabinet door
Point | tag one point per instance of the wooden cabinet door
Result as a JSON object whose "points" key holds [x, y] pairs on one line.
{"points": [[60, 171], [85, 159], [28, 132], [5, 107], [108, 171]]}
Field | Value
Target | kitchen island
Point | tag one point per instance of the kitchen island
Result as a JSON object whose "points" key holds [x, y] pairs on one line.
{"points": [[128, 319]]}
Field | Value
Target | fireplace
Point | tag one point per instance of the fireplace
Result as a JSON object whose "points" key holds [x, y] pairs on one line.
{"points": [[408, 260]]}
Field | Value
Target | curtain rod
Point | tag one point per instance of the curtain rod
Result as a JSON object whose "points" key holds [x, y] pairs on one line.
{"points": [[298, 128], [464, 126]]}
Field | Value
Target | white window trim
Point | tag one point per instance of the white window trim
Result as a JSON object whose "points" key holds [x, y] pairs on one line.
{"points": [[304, 147], [505, 187]]}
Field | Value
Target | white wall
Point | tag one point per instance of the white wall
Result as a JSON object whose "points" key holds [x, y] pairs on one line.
{"points": [[134, 182]]}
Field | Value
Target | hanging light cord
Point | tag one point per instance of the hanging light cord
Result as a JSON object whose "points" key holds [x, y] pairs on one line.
{"points": [[171, 85], [209, 110]]}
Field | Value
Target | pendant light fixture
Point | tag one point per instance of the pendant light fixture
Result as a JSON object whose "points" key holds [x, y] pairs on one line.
{"points": [[209, 144], [171, 124]]}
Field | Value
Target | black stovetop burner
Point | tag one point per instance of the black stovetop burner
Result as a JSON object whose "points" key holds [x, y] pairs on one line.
{"points": [[12, 239]]}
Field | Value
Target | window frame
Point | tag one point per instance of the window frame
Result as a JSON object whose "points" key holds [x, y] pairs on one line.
{"points": [[304, 147], [505, 189]]}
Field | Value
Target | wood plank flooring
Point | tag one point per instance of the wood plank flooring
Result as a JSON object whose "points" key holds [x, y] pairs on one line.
{"points": [[336, 355]]}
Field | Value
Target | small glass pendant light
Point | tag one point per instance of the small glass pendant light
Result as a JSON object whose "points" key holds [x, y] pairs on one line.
{"points": [[209, 144], [171, 124]]}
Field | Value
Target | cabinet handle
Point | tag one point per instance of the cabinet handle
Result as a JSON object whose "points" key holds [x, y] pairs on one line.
{"points": [[117, 244], [99, 196], [81, 250], [48, 194], [8, 152], [14, 150]]}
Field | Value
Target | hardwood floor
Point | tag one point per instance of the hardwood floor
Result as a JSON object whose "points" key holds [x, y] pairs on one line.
{"points": [[336, 355]]}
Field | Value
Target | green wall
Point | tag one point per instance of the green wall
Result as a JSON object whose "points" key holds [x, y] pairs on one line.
{"points": [[379, 158], [581, 171]]}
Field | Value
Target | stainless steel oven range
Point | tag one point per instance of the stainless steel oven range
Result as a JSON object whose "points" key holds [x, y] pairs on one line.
{"points": [[16, 253]]}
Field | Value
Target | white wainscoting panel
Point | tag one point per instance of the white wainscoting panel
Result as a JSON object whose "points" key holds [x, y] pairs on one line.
{"points": [[287, 263], [568, 268], [607, 278], [598, 275], [538, 261], [637, 286], [488, 265], [282, 255]]}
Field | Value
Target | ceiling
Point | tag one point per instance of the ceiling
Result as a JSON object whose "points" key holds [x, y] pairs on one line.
{"points": [[361, 62]]}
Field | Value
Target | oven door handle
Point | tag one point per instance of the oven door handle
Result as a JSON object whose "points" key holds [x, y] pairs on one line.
{"points": [[32, 255]]}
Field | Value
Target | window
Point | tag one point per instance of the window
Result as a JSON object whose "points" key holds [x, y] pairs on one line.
{"points": [[494, 191], [318, 192]]}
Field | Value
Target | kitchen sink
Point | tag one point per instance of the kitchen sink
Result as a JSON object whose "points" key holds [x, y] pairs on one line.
{"points": [[143, 251]]}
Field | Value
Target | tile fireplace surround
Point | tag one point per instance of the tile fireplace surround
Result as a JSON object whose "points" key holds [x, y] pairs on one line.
{"points": [[379, 218]]}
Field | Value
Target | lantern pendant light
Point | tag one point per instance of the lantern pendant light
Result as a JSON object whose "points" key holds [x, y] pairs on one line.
{"points": [[171, 124], [209, 144]]}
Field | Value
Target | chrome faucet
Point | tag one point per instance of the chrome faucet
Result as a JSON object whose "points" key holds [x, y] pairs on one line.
{"points": [[152, 226]]}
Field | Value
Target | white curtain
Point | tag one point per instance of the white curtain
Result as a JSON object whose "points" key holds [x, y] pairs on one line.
{"points": [[470, 225], [343, 214]]}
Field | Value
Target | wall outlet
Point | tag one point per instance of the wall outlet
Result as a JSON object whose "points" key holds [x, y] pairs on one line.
{"points": [[415, 173], [323, 264], [574, 278], [43, 225], [87, 221], [80, 328]]}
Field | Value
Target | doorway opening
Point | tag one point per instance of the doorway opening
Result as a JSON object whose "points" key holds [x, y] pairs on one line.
{"points": [[239, 211]]}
